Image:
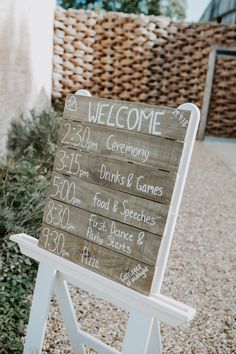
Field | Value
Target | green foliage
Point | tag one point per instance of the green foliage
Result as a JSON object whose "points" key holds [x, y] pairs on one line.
{"points": [[17, 279], [80, 4], [148, 7], [176, 9], [34, 139], [21, 191], [24, 177]]}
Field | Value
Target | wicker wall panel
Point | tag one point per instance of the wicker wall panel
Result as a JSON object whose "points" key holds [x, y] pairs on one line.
{"points": [[222, 110], [134, 57]]}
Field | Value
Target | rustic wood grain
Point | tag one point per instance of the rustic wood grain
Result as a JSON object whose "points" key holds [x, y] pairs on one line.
{"points": [[148, 183], [111, 186], [124, 270], [145, 150], [111, 234], [135, 211], [115, 113]]}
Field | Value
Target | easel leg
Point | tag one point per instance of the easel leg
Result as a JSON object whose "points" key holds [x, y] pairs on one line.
{"points": [[39, 310], [137, 334], [68, 314], [154, 345]]}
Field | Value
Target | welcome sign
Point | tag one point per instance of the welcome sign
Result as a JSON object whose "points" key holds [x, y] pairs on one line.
{"points": [[113, 178]]}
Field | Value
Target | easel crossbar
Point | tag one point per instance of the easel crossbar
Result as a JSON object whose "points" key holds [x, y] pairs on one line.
{"points": [[158, 306]]}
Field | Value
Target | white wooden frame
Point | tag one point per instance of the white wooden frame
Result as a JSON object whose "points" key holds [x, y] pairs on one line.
{"points": [[143, 332]]}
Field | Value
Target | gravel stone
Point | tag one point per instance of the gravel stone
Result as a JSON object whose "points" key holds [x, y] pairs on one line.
{"points": [[201, 272]]}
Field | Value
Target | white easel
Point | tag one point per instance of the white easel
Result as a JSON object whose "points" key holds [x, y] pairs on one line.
{"points": [[143, 332]]}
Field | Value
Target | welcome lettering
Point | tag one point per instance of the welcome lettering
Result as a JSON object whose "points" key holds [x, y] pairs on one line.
{"points": [[125, 117]]}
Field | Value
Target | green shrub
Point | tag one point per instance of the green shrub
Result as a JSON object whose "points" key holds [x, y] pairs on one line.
{"points": [[17, 279], [35, 140], [22, 190], [24, 177]]}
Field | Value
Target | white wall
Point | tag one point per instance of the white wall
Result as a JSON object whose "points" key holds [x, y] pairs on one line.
{"points": [[26, 52]]}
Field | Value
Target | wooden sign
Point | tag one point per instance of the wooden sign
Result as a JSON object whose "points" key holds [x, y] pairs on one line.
{"points": [[111, 188]]}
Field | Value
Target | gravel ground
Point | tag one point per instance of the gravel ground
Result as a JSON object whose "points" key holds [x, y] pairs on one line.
{"points": [[201, 272]]}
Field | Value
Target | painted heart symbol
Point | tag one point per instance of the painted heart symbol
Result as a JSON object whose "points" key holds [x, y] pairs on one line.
{"points": [[71, 103]]}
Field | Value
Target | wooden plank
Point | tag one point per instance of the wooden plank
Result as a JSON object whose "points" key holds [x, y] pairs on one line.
{"points": [[136, 117], [148, 183], [135, 211], [119, 237], [124, 270], [207, 93], [114, 174], [132, 147]]}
